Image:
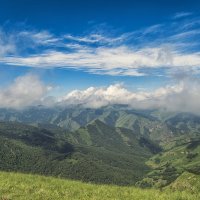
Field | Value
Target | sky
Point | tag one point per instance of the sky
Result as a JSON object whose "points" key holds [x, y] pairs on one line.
{"points": [[96, 53]]}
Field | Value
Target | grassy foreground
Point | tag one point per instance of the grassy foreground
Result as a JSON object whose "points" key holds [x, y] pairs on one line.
{"points": [[33, 187]]}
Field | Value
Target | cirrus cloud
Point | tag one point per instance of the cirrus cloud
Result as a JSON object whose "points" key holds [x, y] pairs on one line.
{"points": [[169, 46]]}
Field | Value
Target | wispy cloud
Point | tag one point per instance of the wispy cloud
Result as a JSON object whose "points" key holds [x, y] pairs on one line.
{"points": [[7, 44], [96, 38], [39, 38], [182, 14], [113, 61], [171, 46]]}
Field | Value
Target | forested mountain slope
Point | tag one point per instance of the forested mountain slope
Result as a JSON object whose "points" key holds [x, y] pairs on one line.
{"points": [[29, 149]]}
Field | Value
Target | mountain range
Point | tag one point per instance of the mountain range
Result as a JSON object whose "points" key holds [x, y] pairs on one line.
{"points": [[113, 144]]}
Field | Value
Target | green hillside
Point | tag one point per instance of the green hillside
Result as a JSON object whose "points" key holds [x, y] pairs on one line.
{"points": [[14, 186], [186, 182], [181, 155], [29, 149], [99, 134], [112, 145]]}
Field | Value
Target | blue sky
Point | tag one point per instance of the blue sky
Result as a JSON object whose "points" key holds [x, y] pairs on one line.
{"points": [[142, 45], [77, 16]]}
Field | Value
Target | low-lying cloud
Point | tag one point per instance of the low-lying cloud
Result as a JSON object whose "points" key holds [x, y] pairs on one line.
{"points": [[24, 91], [29, 90], [181, 97]]}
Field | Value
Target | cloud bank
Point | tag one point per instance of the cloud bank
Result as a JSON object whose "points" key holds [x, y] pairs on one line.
{"points": [[29, 90], [181, 97]]}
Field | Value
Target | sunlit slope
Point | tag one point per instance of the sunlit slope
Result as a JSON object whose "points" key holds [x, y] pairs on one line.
{"points": [[22, 187], [186, 182], [182, 156]]}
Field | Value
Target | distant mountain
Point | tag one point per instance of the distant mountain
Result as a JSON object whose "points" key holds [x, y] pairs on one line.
{"points": [[184, 123], [72, 118], [158, 125]]}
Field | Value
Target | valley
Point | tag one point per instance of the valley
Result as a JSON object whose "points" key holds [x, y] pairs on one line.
{"points": [[133, 147]]}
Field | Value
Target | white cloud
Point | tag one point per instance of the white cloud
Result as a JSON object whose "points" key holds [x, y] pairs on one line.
{"points": [[113, 61], [182, 14], [166, 47], [29, 90], [39, 37], [24, 91], [7, 44], [98, 38], [116, 94], [182, 97]]}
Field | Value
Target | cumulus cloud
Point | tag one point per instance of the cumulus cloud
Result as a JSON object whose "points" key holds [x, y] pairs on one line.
{"points": [[182, 97], [24, 91], [29, 90], [118, 94]]}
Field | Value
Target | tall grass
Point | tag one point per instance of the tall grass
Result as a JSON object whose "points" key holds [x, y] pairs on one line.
{"points": [[14, 186]]}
